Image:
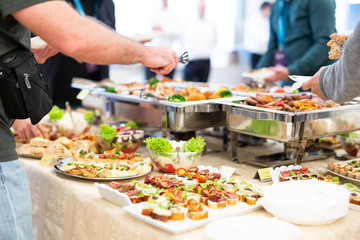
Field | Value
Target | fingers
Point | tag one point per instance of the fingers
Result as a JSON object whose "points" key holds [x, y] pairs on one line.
{"points": [[43, 131], [306, 85]]}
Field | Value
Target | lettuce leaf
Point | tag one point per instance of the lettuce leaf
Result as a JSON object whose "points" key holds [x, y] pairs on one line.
{"points": [[159, 144], [107, 133], [194, 145], [56, 113], [89, 116]]}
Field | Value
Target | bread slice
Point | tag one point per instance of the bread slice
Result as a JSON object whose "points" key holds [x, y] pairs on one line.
{"points": [[40, 142], [178, 213], [161, 215], [147, 211], [198, 215], [216, 205]]}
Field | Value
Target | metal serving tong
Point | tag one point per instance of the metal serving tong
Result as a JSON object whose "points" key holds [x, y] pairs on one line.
{"points": [[146, 94], [299, 81], [184, 58]]}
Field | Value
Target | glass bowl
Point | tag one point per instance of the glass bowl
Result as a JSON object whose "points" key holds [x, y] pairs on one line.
{"points": [[128, 140], [169, 162], [351, 144]]}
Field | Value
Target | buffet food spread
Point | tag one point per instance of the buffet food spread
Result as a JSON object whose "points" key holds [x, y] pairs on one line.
{"points": [[177, 194]]}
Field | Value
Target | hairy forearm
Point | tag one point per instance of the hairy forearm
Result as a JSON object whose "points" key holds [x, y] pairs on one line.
{"points": [[61, 27]]}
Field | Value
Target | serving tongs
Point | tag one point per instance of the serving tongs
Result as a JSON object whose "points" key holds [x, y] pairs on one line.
{"points": [[146, 95], [184, 58], [299, 81]]}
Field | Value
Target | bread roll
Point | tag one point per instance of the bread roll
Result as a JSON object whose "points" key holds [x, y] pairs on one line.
{"points": [[58, 151], [65, 141], [28, 150], [40, 142]]}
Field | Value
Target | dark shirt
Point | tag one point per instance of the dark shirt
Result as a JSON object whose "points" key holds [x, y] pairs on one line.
{"points": [[309, 24]]}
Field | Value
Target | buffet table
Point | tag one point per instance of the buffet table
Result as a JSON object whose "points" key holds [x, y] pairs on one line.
{"points": [[70, 208]]}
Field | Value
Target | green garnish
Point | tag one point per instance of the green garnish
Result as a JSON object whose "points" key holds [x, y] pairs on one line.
{"points": [[153, 81], [194, 145], [110, 89], [56, 113], [159, 144], [225, 94], [177, 98], [131, 124], [89, 116], [107, 133]]}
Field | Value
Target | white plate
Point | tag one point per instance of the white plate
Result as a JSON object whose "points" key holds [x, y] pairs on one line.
{"points": [[175, 227], [112, 195], [68, 160], [354, 206], [308, 202], [252, 227]]}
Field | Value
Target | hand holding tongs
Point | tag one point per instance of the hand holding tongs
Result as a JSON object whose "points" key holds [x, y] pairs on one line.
{"points": [[299, 81]]}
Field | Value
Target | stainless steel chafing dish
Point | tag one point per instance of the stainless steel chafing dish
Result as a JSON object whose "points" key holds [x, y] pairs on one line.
{"points": [[292, 128]]}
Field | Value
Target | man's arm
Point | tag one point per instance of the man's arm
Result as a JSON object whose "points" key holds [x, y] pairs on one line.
{"points": [[89, 41]]}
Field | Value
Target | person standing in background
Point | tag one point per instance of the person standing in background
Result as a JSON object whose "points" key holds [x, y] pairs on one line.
{"points": [[257, 31], [60, 69], [299, 31], [168, 26], [200, 40]]}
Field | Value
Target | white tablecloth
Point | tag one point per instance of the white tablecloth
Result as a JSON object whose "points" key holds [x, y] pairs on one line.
{"points": [[69, 208]]}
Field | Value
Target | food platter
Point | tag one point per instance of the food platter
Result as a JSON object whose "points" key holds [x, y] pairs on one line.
{"points": [[68, 160], [176, 227], [343, 176]]}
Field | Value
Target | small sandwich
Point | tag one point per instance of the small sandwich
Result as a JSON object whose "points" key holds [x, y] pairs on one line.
{"points": [[242, 195], [284, 176], [355, 198], [201, 213], [135, 196], [252, 199], [232, 198], [178, 213], [217, 202], [160, 214], [151, 204]]}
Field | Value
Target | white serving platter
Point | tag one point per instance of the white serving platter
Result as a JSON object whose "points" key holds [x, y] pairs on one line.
{"points": [[176, 227]]}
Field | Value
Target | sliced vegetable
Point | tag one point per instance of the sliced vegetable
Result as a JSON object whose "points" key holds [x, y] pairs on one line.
{"points": [[89, 116]]}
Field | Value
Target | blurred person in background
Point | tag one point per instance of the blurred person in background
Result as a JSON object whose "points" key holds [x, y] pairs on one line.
{"points": [[60, 69], [167, 24], [299, 31], [81, 38], [199, 40], [340, 81], [257, 31]]}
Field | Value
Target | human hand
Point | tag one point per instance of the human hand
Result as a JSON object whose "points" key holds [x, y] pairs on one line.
{"points": [[280, 73], [41, 54], [313, 83], [160, 60], [26, 131]]}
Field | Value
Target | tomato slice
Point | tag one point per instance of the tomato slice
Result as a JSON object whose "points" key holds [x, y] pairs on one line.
{"points": [[101, 155], [122, 156], [192, 205], [181, 171], [131, 155]]}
